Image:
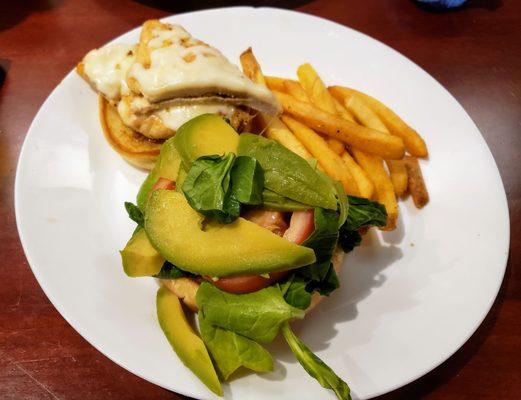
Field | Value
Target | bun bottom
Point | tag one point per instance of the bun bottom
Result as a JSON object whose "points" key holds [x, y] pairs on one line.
{"points": [[135, 148], [186, 288]]}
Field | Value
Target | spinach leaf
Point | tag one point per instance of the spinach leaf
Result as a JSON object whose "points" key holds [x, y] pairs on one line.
{"points": [[286, 173], [170, 271], [134, 213], [256, 315], [207, 185], [362, 213], [295, 293], [247, 180], [230, 351], [321, 275], [275, 202], [314, 366]]}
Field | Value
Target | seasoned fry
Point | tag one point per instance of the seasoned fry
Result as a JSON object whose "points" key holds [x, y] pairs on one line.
{"points": [[364, 183], [382, 184], [273, 127], [251, 67], [275, 83], [399, 176], [413, 141], [417, 187], [315, 88], [318, 94], [366, 139], [296, 90], [342, 111], [276, 130], [367, 117], [317, 146]]}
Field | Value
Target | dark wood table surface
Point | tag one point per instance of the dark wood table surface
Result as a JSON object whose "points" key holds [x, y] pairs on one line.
{"points": [[475, 52]]}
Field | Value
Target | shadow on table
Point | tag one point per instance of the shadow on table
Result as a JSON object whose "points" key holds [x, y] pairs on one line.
{"points": [[192, 5], [14, 12], [449, 369]]}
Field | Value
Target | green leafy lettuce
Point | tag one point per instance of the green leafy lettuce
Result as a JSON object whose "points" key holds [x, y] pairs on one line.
{"points": [[207, 188], [314, 366], [362, 213], [257, 316], [231, 351], [134, 213], [247, 180], [216, 186], [275, 202], [286, 173], [170, 271]]}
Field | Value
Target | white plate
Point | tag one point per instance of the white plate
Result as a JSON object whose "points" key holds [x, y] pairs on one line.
{"points": [[409, 299]]}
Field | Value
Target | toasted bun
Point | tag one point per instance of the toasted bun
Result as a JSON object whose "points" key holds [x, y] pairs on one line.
{"points": [[137, 149], [186, 288]]}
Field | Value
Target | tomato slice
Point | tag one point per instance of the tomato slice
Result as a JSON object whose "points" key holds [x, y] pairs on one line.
{"points": [[163, 183], [300, 227], [246, 283]]}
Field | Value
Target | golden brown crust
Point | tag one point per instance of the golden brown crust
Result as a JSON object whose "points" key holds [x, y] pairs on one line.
{"points": [[131, 145]]}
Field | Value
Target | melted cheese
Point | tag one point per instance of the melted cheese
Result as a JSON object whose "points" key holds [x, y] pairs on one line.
{"points": [[182, 66], [162, 123], [106, 69], [174, 117]]}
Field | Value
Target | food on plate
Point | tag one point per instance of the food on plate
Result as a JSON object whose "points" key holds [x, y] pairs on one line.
{"points": [[417, 186], [247, 230], [151, 88], [413, 141], [359, 136], [247, 234]]}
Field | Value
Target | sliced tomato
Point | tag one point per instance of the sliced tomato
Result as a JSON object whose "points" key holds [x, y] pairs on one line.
{"points": [[301, 226], [246, 283], [163, 183]]}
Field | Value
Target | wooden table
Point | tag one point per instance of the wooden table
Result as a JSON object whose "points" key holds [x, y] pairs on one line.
{"points": [[474, 52]]}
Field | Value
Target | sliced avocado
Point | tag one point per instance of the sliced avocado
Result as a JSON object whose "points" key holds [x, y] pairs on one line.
{"points": [[186, 240], [167, 166], [139, 257], [204, 135], [186, 343]]}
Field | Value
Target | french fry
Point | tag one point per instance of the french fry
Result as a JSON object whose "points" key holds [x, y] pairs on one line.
{"points": [[318, 147], [367, 117], [417, 187], [275, 83], [413, 141], [364, 183], [383, 186], [318, 94], [315, 88], [296, 90], [366, 139], [273, 127], [343, 112], [251, 67]]}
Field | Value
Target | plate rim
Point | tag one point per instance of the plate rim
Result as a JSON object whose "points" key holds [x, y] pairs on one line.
{"points": [[93, 342]]}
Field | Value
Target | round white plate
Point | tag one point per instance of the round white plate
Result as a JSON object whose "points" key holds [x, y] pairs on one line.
{"points": [[409, 299]]}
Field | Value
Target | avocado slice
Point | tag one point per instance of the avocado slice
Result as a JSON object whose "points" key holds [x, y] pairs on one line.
{"points": [[206, 134], [139, 257], [186, 343], [202, 247], [167, 166]]}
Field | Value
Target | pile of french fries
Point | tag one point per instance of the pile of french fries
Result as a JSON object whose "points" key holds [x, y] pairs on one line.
{"points": [[355, 138]]}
